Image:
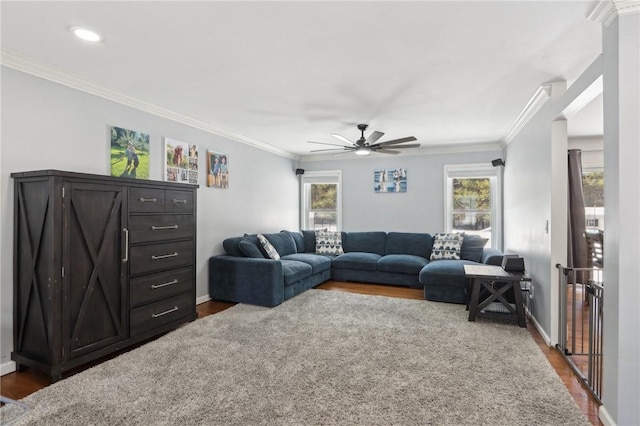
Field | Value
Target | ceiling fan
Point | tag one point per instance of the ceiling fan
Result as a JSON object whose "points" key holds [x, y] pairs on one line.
{"points": [[365, 146]]}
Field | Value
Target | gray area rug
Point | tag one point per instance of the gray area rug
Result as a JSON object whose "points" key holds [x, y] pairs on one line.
{"points": [[323, 357]]}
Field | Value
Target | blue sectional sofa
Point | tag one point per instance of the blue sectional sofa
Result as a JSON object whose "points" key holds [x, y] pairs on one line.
{"points": [[245, 274]]}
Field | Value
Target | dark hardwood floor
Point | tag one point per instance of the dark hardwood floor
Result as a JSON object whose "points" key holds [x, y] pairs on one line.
{"points": [[17, 385]]}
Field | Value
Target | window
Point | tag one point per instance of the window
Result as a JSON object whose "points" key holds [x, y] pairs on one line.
{"points": [[472, 203], [321, 200], [593, 190]]}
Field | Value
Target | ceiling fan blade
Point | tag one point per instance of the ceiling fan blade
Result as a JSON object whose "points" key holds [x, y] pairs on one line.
{"points": [[330, 149], [411, 145], [373, 137], [342, 138], [324, 143], [396, 141], [387, 151]]}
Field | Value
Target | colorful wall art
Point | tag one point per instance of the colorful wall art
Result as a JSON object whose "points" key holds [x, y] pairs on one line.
{"points": [[129, 153], [390, 180], [218, 170], [180, 161]]}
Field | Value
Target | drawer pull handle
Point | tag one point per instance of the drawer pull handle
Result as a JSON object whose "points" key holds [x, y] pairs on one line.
{"points": [[164, 256], [159, 228], [175, 308], [126, 245], [155, 286], [148, 200], [179, 201]]}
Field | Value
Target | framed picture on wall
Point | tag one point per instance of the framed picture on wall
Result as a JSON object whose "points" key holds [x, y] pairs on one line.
{"points": [[390, 180], [217, 170], [129, 153], [180, 161]]}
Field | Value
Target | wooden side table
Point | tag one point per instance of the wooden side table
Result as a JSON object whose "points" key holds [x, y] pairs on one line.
{"points": [[498, 282]]}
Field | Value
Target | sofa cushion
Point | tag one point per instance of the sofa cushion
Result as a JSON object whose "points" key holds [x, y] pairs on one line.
{"points": [[448, 268], [318, 263], [328, 242], [415, 244], [447, 246], [298, 238], [283, 242], [309, 240], [294, 271], [366, 242], [357, 260], [249, 247], [401, 263], [472, 247], [272, 253], [232, 246]]}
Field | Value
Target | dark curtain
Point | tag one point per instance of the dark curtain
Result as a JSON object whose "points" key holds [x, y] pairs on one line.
{"points": [[577, 242]]}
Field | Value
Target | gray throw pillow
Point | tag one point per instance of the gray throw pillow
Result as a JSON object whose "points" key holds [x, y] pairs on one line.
{"points": [[250, 249], [472, 247]]}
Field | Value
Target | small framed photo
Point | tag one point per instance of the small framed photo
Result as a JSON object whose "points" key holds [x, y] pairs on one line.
{"points": [[217, 170], [390, 180], [181, 161], [129, 153]]}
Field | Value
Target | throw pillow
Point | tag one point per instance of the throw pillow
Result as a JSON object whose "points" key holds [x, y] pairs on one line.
{"points": [[447, 246], [250, 249], [271, 250], [328, 242], [472, 247]]}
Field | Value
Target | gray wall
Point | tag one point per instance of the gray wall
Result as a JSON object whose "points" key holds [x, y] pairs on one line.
{"points": [[420, 209], [527, 207], [49, 126]]}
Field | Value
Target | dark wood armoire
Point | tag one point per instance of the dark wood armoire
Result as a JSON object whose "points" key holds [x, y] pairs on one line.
{"points": [[100, 264]]}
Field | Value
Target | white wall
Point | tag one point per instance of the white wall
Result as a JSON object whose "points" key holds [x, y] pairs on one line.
{"points": [[49, 126], [621, 384], [420, 209]]}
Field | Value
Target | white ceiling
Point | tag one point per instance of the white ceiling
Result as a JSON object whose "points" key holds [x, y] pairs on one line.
{"points": [[283, 73]]}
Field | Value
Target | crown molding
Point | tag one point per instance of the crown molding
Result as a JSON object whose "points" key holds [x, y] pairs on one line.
{"points": [[607, 11], [460, 148], [16, 61], [535, 103], [627, 7]]}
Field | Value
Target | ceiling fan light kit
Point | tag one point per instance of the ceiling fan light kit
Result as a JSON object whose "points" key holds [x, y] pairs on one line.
{"points": [[363, 150], [365, 146]]}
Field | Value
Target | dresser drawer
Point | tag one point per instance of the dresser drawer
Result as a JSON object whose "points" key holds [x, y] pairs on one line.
{"points": [[148, 317], [156, 257], [150, 228], [146, 200], [160, 285], [176, 201]]}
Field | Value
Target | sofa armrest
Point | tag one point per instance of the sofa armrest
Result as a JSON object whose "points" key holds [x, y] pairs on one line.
{"points": [[492, 256], [246, 280]]}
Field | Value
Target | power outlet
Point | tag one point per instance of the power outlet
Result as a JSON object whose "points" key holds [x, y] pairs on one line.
{"points": [[531, 291]]}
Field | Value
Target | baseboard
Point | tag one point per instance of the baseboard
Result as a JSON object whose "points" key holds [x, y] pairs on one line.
{"points": [[538, 327], [203, 299], [7, 367], [604, 417]]}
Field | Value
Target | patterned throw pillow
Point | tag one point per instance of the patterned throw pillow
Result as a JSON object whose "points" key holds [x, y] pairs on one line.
{"points": [[447, 246], [328, 242], [271, 250]]}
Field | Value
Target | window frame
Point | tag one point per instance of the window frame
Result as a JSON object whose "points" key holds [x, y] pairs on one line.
{"points": [[319, 177], [481, 171]]}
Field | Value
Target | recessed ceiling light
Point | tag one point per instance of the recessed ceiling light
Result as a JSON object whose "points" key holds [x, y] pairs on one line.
{"points": [[86, 34]]}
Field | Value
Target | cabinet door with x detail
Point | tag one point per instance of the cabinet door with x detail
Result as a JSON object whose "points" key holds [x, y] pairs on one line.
{"points": [[94, 311]]}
